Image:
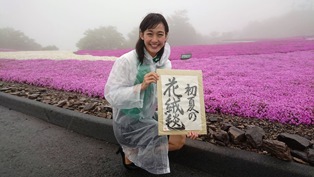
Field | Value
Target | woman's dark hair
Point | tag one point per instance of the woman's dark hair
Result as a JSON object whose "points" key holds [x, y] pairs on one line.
{"points": [[149, 22]]}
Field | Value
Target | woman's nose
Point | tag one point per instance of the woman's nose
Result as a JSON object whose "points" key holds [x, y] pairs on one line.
{"points": [[155, 38]]}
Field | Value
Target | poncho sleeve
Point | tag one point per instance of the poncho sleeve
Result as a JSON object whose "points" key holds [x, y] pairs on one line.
{"points": [[120, 90]]}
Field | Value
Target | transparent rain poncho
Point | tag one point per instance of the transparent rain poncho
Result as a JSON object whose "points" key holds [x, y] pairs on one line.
{"points": [[134, 112]]}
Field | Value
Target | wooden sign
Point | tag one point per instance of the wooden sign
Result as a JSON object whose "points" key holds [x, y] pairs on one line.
{"points": [[180, 102]]}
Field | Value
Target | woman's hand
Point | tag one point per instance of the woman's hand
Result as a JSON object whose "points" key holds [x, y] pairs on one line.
{"points": [[149, 78], [192, 135]]}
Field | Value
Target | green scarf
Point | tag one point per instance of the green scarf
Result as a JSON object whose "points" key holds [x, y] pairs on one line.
{"points": [[136, 112]]}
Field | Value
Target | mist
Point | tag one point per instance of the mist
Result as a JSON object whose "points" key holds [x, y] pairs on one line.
{"points": [[63, 23]]}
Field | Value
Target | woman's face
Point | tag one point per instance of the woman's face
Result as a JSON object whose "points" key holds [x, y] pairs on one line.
{"points": [[154, 39]]}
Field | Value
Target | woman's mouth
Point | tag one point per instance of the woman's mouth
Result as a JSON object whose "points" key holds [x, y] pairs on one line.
{"points": [[154, 46]]}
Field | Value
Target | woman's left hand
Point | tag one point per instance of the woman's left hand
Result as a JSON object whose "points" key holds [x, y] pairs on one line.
{"points": [[192, 135]]}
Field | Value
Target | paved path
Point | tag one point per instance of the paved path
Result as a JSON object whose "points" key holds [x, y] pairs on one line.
{"points": [[32, 147]]}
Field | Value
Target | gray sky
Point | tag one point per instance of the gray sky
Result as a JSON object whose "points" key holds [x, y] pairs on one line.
{"points": [[63, 22]]}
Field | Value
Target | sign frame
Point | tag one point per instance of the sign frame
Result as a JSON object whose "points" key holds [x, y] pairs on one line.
{"points": [[166, 73]]}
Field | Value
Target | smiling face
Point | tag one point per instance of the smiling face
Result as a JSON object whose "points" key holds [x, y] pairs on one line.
{"points": [[154, 39]]}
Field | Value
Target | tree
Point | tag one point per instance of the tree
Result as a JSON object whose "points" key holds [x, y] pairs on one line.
{"points": [[50, 47], [13, 39], [181, 31], [101, 38], [132, 38], [292, 24]]}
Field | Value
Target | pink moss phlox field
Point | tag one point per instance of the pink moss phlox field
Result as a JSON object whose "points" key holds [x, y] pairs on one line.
{"points": [[240, 48], [276, 83], [277, 87], [87, 77]]}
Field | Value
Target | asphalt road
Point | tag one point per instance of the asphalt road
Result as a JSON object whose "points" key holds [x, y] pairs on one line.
{"points": [[32, 147]]}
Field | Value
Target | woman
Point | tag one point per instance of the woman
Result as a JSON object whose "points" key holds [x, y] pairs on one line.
{"points": [[131, 91]]}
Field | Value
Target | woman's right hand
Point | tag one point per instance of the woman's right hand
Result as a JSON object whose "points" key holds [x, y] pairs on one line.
{"points": [[192, 135], [149, 78]]}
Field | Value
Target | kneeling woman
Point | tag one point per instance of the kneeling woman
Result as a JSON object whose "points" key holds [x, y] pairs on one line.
{"points": [[131, 91]]}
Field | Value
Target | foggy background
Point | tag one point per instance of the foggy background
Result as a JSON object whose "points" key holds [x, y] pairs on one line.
{"points": [[63, 22]]}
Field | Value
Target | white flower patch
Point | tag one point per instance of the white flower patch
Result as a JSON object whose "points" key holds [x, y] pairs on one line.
{"points": [[54, 55]]}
